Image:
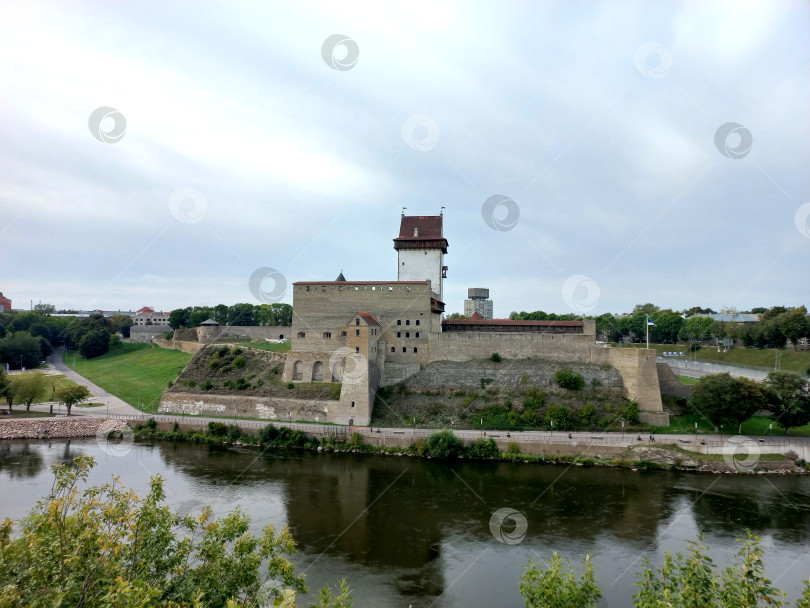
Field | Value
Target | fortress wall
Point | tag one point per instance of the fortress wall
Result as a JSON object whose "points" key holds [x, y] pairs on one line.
{"points": [[268, 408], [464, 346], [191, 348], [208, 334], [359, 381], [640, 375], [669, 383], [326, 308]]}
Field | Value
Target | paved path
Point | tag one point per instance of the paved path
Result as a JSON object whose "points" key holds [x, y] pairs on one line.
{"points": [[698, 369], [112, 404]]}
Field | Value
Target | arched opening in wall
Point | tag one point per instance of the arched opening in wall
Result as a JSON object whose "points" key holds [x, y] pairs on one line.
{"points": [[281, 336], [336, 375], [298, 371], [317, 372]]}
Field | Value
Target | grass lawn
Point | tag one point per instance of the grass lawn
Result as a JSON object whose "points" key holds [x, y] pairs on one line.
{"points": [[19, 412], [52, 383], [688, 379], [756, 425], [790, 360], [271, 346], [137, 372]]}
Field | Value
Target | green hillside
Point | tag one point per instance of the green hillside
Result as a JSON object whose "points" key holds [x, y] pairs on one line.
{"points": [[137, 373]]}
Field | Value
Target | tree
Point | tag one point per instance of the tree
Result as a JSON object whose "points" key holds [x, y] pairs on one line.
{"points": [[790, 399], [71, 395], [221, 314], [46, 308], [794, 325], [179, 317], [106, 546], [79, 327], [444, 445], [667, 326], [28, 387], [772, 333], [8, 389], [648, 308], [242, 314], [94, 343], [557, 586], [21, 349], [721, 399], [458, 315], [115, 342], [122, 324]]}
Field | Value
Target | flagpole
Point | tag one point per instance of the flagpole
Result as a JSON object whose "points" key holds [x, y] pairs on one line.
{"points": [[647, 323]]}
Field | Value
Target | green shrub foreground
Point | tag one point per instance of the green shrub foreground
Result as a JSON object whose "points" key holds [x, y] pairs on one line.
{"points": [[104, 546]]}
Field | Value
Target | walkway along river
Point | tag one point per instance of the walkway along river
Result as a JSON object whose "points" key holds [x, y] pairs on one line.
{"points": [[406, 531]]}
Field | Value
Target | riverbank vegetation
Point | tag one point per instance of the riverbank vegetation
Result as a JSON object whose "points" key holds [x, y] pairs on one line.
{"points": [[444, 445], [105, 545]]}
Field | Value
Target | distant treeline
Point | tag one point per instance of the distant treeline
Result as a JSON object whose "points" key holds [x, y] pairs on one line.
{"points": [[237, 314]]}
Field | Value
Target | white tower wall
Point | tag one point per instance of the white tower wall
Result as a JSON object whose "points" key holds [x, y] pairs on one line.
{"points": [[421, 264]]}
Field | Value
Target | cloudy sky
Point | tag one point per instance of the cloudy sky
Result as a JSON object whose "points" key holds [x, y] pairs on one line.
{"points": [[160, 153]]}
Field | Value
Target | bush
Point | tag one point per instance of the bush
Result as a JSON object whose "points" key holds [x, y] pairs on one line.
{"points": [[176, 428], [290, 385], [214, 364], [569, 379], [535, 399], [170, 384], [562, 416], [191, 383], [483, 448], [268, 434], [630, 413], [514, 447], [356, 442], [236, 351], [485, 382], [444, 445], [239, 362], [234, 433], [217, 429], [151, 424], [207, 385], [495, 357], [419, 447]]}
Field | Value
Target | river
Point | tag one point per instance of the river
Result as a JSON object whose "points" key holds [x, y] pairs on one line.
{"points": [[409, 532]]}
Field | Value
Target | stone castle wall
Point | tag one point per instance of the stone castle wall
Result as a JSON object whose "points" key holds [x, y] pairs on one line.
{"points": [[191, 348], [267, 408], [640, 376], [208, 334], [464, 346]]}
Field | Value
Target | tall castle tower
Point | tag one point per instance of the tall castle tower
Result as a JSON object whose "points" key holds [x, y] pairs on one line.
{"points": [[421, 248]]}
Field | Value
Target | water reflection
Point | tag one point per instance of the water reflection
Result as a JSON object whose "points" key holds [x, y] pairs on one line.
{"points": [[406, 531]]}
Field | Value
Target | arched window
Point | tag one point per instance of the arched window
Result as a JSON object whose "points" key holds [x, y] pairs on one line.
{"points": [[415, 349], [298, 371], [407, 322], [407, 334], [399, 334], [417, 321], [417, 334], [399, 321], [404, 350]]}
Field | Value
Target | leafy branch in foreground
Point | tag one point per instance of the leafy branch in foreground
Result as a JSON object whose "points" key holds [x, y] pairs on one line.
{"points": [[106, 546]]}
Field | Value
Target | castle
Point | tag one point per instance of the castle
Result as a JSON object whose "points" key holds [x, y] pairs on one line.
{"points": [[370, 334]]}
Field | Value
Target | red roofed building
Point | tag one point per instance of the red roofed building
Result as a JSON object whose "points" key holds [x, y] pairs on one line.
{"points": [[5, 303], [148, 316]]}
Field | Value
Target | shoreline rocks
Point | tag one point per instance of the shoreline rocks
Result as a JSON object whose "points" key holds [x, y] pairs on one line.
{"points": [[58, 428]]}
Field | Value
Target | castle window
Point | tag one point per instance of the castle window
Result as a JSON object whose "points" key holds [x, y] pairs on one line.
{"points": [[340, 287], [399, 322], [352, 403], [399, 334], [357, 321], [417, 321], [391, 288], [327, 334], [373, 287], [407, 334], [407, 288], [393, 349], [301, 334], [415, 349], [404, 350], [357, 349], [417, 334], [344, 334], [407, 321], [356, 288], [307, 287], [356, 332]]}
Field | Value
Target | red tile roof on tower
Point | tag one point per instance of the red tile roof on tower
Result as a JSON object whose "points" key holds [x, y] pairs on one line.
{"points": [[145, 309], [421, 232]]}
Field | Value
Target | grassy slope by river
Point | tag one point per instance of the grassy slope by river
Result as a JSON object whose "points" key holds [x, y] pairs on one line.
{"points": [[765, 358], [135, 372]]}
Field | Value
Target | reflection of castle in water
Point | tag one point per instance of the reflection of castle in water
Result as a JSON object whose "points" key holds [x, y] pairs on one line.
{"points": [[400, 518]]}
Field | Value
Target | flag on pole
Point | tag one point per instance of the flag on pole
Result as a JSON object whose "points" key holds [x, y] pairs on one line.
{"points": [[649, 322]]}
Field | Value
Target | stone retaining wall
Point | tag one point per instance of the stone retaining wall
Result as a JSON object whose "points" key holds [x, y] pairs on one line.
{"points": [[49, 428]]}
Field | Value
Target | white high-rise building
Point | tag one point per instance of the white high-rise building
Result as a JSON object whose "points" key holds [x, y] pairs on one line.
{"points": [[478, 302]]}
